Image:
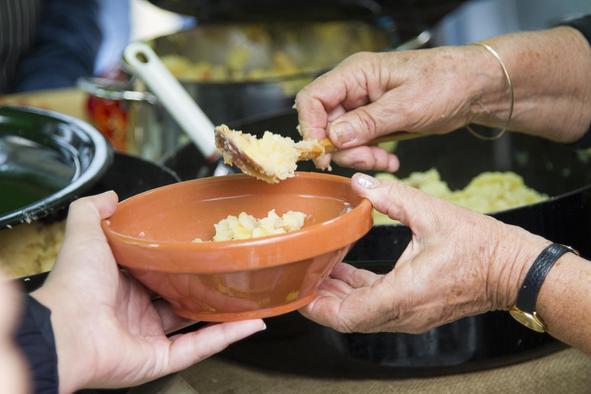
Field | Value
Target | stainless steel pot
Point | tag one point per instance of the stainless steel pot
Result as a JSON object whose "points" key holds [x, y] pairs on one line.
{"points": [[238, 71]]}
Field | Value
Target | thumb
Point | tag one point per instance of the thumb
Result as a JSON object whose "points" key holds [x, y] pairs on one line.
{"points": [[85, 214], [188, 349], [408, 205], [363, 124]]}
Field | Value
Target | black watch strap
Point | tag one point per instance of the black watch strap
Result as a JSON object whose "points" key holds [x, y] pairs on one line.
{"points": [[528, 293]]}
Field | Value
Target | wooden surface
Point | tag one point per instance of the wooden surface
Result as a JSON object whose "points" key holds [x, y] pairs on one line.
{"points": [[67, 101], [568, 371]]}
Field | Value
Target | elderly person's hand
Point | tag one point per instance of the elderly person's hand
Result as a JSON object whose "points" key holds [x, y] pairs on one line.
{"points": [[439, 90], [371, 94], [458, 263], [108, 332]]}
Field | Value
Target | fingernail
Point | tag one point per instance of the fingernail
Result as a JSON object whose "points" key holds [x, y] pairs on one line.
{"points": [[343, 132], [367, 182], [264, 327], [111, 194]]}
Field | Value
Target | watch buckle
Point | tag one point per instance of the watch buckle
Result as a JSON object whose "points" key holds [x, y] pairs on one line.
{"points": [[532, 321]]}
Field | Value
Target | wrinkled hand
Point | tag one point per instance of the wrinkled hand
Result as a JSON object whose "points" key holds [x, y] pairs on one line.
{"points": [[458, 263], [372, 94], [108, 332]]}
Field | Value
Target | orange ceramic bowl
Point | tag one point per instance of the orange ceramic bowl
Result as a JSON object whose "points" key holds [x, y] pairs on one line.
{"points": [[151, 233]]}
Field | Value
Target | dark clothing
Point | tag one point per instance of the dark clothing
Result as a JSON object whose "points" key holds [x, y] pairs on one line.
{"points": [[584, 26], [47, 44], [18, 23], [36, 341]]}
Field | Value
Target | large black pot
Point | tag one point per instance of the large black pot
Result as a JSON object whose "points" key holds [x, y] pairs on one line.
{"points": [[293, 344]]}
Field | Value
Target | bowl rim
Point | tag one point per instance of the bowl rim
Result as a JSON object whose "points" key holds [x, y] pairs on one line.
{"points": [[343, 229]]}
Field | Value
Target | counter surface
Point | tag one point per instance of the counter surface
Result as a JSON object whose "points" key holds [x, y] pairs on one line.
{"points": [[567, 371]]}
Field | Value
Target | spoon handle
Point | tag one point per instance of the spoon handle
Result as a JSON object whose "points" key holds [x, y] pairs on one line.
{"points": [[181, 106]]}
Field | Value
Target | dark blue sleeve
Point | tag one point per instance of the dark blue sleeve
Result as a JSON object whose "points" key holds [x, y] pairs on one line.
{"points": [[584, 26], [35, 340], [68, 39]]}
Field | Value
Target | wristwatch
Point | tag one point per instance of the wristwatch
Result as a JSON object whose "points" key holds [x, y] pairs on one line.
{"points": [[524, 311]]}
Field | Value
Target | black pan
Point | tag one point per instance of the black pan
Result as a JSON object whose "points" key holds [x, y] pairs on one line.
{"points": [[46, 160], [293, 344], [128, 175]]}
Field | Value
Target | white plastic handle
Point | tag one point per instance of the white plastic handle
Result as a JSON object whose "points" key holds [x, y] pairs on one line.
{"points": [[173, 96]]}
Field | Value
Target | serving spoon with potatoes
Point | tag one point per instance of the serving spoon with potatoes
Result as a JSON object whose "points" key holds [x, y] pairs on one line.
{"points": [[234, 148]]}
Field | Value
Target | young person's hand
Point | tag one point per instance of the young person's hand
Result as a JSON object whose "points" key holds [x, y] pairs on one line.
{"points": [[108, 332]]}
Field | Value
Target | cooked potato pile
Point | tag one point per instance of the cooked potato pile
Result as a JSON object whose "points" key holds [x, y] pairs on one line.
{"points": [[245, 226], [275, 155], [486, 193], [28, 249]]}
